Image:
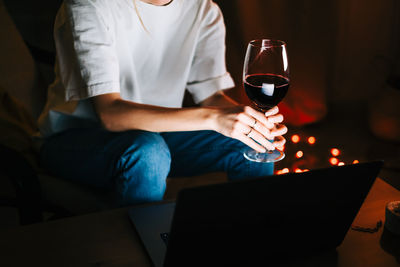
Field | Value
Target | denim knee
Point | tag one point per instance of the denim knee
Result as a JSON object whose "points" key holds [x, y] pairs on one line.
{"points": [[144, 167]]}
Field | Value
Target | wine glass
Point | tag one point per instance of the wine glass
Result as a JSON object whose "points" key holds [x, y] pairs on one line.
{"points": [[266, 82]]}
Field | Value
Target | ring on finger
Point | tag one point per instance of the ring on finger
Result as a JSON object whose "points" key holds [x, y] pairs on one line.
{"points": [[248, 134], [254, 124]]}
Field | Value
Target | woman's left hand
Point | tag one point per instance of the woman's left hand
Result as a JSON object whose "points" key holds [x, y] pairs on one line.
{"points": [[271, 127], [258, 130]]}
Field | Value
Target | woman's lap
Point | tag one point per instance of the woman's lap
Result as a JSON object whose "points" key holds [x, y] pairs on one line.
{"points": [[135, 164], [200, 152]]}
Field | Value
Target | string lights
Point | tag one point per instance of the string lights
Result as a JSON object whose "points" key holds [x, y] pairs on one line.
{"points": [[302, 148]]}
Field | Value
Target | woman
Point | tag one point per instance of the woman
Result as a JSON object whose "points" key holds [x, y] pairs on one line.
{"points": [[114, 118]]}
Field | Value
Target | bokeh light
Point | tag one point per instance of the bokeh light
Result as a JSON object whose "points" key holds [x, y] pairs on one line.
{"points": [[299, 154], [311, 140], [333, 161], [335, 152], [295, 138]]}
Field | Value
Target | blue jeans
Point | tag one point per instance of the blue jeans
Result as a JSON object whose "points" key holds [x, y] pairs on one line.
{"points": [[135, 164]]}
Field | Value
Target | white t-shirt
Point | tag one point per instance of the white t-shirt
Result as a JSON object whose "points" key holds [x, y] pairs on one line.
{"points": [[103, 48]]}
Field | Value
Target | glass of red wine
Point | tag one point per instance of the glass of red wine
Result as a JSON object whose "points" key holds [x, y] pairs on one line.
{"points": [[266, 82]]}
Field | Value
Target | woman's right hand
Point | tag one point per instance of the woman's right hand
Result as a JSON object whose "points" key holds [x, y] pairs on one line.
{"points": [[252, 127]]}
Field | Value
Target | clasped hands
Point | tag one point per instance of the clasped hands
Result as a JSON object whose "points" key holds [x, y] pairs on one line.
{"points": [[260, 131]]}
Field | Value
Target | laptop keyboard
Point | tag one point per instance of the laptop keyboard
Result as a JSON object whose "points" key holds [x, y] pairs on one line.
{"points": [[165, 237]]}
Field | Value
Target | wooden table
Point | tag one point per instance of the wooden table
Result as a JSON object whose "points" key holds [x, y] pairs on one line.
{"points": [[109, 239]]}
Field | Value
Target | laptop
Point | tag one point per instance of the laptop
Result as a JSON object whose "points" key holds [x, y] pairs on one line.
{"points": [[257, 220]]}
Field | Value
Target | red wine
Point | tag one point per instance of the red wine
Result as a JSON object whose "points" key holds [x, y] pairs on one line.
{"points": [[266, 90]]}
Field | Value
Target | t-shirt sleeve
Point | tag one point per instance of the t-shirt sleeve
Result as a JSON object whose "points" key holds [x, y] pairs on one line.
{"points": [[208, 72], [86, 56]]}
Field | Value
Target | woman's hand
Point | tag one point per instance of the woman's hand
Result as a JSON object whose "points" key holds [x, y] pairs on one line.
{"points": [[255, 129]]}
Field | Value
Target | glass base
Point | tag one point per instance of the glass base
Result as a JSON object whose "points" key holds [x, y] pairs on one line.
{"points": [[269, 156]]}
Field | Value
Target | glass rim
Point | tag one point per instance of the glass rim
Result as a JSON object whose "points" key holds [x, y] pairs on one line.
{"points": [[265, 42]]}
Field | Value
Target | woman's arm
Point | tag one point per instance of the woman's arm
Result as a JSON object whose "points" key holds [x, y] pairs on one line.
{"points": [[231, 120], [117, 114]]}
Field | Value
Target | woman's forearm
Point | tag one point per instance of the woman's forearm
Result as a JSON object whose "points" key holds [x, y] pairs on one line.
{"points": [[120, 115]]}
